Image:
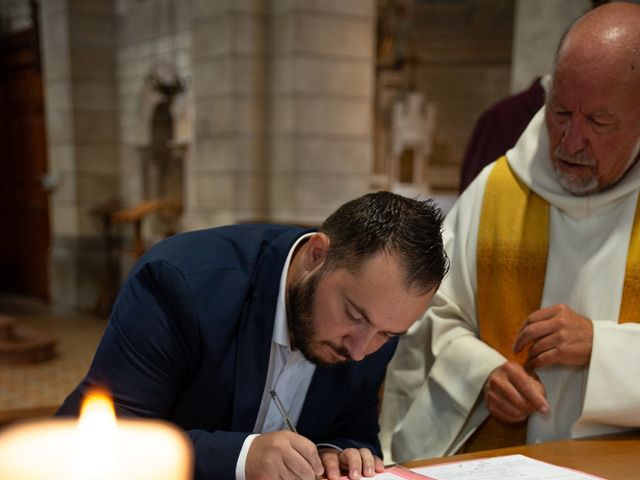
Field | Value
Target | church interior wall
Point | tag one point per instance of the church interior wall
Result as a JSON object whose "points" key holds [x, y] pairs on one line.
{"points": [[282, 117], [77, 45], [16, 16], [321, 109]]}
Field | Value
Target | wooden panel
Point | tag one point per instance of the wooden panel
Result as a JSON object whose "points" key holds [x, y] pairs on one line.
{"points": [[24, 213]]}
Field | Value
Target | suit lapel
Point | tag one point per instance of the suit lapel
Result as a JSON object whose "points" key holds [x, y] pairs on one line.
{"points": [[255, 332]]}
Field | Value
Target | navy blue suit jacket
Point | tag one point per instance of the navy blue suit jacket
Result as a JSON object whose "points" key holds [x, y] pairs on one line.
{"points": [[189, 340]]}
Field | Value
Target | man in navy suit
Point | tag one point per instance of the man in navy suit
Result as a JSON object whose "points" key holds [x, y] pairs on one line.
{"points": [[210, 322]]}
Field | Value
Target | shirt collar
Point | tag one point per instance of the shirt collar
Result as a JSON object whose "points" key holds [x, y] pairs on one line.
{"points": [[280, 327]]}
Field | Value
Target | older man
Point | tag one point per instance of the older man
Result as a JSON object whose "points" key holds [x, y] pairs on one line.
{"points": [[534, 335]]}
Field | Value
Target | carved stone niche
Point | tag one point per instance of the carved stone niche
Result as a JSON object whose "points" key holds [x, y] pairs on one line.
{"points": [[165, 136]]}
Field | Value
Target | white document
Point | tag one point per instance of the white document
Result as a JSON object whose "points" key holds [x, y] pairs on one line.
{"points": [[509, 467]]}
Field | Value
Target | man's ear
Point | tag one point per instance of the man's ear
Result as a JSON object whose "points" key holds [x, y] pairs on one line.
{"points": [[316, 251]]}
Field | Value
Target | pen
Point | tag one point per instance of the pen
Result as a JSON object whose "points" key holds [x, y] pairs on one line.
{"points": [[285, 416], [283, 412]]}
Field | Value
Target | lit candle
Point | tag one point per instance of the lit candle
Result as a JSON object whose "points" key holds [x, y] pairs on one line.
{"points": [[95, 447]]}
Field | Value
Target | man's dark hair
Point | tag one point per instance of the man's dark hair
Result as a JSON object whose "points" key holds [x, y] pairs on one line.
{"points": [[384, 221]]}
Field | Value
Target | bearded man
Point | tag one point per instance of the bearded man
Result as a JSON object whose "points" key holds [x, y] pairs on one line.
{"points": [[210, 322], [533, 336]]}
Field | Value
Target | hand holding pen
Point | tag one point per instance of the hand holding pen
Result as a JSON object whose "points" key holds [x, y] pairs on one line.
{"points": [[357, 462], [285, 417], [283, 454]]}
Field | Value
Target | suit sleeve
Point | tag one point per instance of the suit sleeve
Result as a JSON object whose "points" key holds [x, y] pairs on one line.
{"points": [[149, 349]]}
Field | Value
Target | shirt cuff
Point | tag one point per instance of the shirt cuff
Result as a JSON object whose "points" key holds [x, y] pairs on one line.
{"points": [[242, 458]]}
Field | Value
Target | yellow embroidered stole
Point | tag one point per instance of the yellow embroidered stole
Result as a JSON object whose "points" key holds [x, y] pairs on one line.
{"points": [[511, 263]]}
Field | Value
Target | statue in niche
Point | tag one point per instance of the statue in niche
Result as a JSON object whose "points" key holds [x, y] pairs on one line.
{"points": [[164, 147], [412, 128]]}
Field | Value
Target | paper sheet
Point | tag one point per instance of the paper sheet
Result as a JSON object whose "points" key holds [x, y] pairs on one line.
{"points": [[511, 467], [396, 472]]}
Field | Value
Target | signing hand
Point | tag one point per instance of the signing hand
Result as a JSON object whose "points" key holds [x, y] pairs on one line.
{"points": [[511, 393], [355, 462], [558, 336], [284, 455]]}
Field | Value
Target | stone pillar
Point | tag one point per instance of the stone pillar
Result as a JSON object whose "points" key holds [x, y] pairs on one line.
{"points": [[227, 166], [78, 44], [539, 26], [321, 89], [283, 96]]}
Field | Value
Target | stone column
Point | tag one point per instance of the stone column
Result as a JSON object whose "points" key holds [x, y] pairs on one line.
{"points": [[226, 173], [283, 95], [321, 89], [539, 25], [78, 44]]}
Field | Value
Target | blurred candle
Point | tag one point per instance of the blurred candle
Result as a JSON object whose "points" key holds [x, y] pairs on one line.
{"points": [[95, 447]]}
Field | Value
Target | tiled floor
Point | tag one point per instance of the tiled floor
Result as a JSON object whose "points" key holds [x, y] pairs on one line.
{"points": [[35, 390]]}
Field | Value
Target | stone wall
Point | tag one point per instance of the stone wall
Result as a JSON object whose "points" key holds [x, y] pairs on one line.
{"points": [[15, 15], [151, 35], [78, 45], [538, 29], [321, 106], [276, 116], [463, 55], [226, 174], [283, 109]]}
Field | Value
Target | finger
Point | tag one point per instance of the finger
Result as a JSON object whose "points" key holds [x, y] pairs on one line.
{"points": [[518, 387], [330, 460], [541, 315], [504, 410], [379, 464], [533, 392], [503, 386], [308, 452], [352, 462], [544, 359], [544, 313], [298, 466], [542, 345], [531, 332], [368, 462]]}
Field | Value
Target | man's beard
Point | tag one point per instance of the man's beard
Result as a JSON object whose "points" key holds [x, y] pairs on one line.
{"points": [[300, 301], [576, 184], [581, 186]]}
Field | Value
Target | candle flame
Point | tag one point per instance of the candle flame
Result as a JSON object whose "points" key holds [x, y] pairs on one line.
{"points": [[96, 447], [97, 409]]}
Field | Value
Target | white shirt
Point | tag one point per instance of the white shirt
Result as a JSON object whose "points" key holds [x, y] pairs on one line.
{"points": [[289, 374]]}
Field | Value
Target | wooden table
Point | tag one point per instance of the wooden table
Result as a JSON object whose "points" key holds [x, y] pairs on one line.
{"points": [[614, 457]]}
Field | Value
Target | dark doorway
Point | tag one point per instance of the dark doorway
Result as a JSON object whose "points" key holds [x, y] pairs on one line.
{"points": [[24, 210]]}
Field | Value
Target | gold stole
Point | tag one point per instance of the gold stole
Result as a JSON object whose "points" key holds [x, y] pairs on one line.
{"points": [[511, 262]]}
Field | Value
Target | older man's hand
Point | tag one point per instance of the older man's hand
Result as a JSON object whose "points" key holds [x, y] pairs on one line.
{"points": [[512, 394], [354, 462], [556, 335]]}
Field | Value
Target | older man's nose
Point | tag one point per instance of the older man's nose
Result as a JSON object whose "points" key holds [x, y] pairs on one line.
{"points": [[573, 139]]}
